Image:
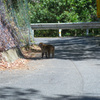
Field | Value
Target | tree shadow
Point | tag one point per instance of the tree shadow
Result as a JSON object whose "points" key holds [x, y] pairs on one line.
{"points": [[12, 93], [77, 48], [69, 97]]}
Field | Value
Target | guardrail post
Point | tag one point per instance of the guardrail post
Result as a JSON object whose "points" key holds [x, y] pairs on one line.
{"points": [[87, 32], [32, 35], [60, 32]]}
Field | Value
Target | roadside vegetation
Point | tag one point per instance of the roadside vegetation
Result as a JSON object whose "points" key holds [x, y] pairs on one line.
{"points": [[63, 11]]}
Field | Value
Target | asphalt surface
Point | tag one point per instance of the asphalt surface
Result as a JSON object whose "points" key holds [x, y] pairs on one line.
{"points": [[74, 73]]}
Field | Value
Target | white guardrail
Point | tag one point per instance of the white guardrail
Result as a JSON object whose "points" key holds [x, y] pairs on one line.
{"points": [[60, 26]]}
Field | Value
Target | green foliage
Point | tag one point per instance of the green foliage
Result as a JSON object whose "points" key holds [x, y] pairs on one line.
{"points": [[52, 11], [46, 33]]}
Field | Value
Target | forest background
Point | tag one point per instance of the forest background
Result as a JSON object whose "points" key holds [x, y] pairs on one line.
{"points": [[63, 11]]}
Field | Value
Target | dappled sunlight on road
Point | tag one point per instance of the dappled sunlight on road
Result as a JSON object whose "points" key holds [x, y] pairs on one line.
{"points": [[13, 93], [78, 48]]}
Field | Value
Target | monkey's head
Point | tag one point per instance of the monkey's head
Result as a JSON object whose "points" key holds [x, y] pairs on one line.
{"points": [[41, 45]]}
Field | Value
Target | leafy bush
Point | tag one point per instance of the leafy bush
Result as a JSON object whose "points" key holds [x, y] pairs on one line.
{"points": [[52, 11]]}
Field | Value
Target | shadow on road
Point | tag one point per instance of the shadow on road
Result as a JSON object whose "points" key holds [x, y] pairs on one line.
{"points": [[77, 48], [12, 93], [68, 97]]}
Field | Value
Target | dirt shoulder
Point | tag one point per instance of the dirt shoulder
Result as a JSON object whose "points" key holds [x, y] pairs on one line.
{"points": [[21, 63]]}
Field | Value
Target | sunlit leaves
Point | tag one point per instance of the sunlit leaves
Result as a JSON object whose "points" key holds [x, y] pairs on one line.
{"points": [[52, 11]]}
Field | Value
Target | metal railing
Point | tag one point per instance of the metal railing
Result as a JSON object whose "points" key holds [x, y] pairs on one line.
{"points": [[60, 26]]}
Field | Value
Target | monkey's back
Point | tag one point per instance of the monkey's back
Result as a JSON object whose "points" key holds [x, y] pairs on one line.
{"points": [[50, 48]]}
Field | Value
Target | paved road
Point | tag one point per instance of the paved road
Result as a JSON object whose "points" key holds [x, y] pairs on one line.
{"points": [[74, 73]]}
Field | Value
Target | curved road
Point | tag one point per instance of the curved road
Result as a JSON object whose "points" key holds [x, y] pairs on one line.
{"points": [[74, 73]]}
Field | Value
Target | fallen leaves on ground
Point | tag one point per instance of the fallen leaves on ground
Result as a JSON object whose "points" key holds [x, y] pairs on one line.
{"points": [[33, 51], [18, 64]]}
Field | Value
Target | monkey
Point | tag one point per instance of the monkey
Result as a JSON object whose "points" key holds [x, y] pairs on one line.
{"points": [[47, 50]]}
